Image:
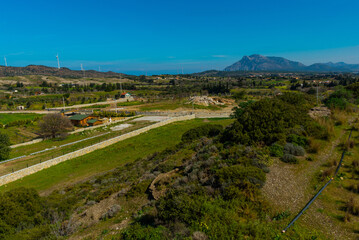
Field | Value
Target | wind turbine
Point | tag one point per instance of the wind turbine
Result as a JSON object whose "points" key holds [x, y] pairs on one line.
{"points": [[5, 62], [82, 69], [58, 61]]}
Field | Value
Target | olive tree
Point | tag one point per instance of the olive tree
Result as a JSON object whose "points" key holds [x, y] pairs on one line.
{"points": [[54, 125]]}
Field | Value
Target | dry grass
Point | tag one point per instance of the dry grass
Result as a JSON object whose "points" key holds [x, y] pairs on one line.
{"points": [[314, 146], [340, 117], [352, 206]]}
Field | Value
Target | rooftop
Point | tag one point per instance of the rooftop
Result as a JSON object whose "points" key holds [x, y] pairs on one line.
{"points": [[79, 117]]}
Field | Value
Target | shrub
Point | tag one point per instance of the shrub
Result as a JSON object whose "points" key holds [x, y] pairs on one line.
{"points": [[298, 140], [354, 188], [208, 130], [269, 120], [137, 231], [310, 159], [4, 146], [289, 158], [352, 207], [138, 189], [276, 150], [314, 146], [239, 173], [294, 150]]}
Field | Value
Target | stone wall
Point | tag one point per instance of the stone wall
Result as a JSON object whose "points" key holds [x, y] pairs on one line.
{"points": [[38, 167]]}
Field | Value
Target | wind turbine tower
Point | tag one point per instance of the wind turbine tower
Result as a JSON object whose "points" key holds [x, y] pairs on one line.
{"points": [[83, 71], [58, 61], [5, 62]]}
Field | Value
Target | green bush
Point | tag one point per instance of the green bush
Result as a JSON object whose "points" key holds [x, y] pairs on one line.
{"points": [[298, 140], [289, 158], [138, 232], [295, 150], [240, 173], [276, 150], [208, 130], [138, 189], [4, 146], [269, 120]]}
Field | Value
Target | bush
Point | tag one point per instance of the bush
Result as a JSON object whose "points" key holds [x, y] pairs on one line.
{"points": [[354, 188], [276, 150], [208, 130], [289, 158], [4, 147], [140, 232], [239, 173], [298, 140], [314, 146], [352, 207], [292, 149], [310, 159], [138, 189], [269, 120]]}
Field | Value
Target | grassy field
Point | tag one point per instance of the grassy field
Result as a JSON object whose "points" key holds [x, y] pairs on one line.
{"points": [[41, 157], [19, 134], [106, 159], [172, 105], [6, 118], [133, 103]]}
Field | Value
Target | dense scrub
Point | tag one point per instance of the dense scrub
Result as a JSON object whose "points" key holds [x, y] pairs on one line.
{"points": [[272, 120], [343, 97]]}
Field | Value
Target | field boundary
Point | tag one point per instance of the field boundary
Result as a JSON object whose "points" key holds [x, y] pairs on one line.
{"points": [[52, 162]]}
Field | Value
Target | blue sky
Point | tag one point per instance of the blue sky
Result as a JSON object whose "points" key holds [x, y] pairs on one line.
{"points": [[165, 36]]}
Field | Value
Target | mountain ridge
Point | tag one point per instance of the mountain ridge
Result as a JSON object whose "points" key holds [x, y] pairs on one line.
{"points": [[256, 62], [52, 71]]}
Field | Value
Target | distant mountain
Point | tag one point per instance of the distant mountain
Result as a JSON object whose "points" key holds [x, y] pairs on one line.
{"points": [[51, 71], [257, 62], [261, 63]]}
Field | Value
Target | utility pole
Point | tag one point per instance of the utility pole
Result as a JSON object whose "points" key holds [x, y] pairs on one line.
{"points": [[63, 102], [317, 94]]}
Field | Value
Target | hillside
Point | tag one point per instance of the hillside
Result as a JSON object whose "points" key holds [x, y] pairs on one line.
{"points": [[51, 71], [258, 62]]}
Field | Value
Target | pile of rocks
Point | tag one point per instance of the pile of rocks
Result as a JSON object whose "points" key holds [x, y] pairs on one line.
{"points": [[319, 112], [207, 101]]}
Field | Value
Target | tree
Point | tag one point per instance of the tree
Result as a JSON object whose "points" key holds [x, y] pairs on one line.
{"points": [[53, 125], [4, 146]]}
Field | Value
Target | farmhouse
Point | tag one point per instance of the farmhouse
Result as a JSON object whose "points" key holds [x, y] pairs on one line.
{"points": [[80, 119], [125, 95], [94, 122]]}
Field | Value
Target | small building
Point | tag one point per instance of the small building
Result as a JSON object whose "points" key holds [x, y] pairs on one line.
{"points": [[80, 119], [125, 95], [20, 108], [94, 122]]}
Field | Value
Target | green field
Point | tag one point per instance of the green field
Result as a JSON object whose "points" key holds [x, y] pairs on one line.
{"points": [[106, 159], [41, 157], [172, 105], [133, 103], [6, 118]]}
